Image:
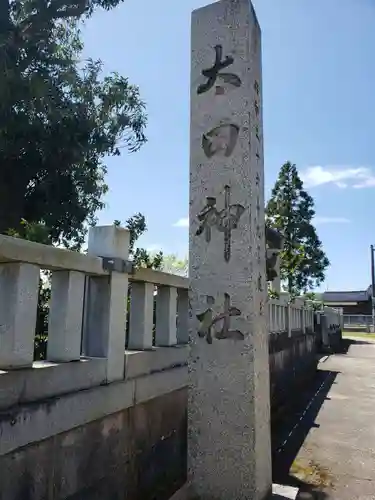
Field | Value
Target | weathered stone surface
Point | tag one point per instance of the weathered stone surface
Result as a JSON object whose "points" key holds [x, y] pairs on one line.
{"points": [[293, 365], [158, 359], [229, 444], [27, 474], [88, 454], [65, 316], [136, 454], [141, 320], [18, 304], [21, 425], [46, 380], [104, 328], [166, 312]]}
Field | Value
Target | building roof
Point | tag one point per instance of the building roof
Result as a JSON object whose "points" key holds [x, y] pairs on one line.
{"points": [[347, 296]]}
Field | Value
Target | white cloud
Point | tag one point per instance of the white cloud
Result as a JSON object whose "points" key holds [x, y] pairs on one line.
{"points": [[331, 220], [184, 222], [342, 177]]}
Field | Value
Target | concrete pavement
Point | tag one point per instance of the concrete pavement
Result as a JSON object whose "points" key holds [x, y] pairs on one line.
{"points": [[326, 447]]}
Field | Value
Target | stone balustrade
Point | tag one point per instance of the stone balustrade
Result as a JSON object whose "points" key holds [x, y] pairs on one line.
{"points": [[91, 318], [293, 317], [88, 307], [114, 384]]}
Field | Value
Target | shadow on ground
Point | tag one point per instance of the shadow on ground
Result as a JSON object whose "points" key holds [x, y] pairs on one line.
{"points": [[291, 427], [346, 343]]}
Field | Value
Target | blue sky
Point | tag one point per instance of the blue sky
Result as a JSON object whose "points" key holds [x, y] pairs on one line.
{"points": [[319, 112]]}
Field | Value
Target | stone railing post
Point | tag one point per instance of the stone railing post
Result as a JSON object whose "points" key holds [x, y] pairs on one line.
{"points": [[166, 316], [141, 320], [280, 314], [271, 317], [288, 319], [106, 300], [65, 316], [229, 432], [303, 320], [19, 286]]}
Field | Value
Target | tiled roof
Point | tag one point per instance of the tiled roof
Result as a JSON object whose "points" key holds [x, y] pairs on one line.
{"points": [[351, 296]]}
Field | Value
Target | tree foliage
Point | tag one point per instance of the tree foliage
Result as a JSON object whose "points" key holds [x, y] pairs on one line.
{"points": [[33, 19], [315, 300], [140, 256], [59, 119], [290, 210], [175, 265], [272, 294]]}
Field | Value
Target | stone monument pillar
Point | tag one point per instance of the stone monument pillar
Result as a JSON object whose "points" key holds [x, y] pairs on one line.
{"points": [[229, 434]]}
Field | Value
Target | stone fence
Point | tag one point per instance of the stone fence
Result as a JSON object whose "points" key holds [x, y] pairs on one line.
{"points": [[292, 350], [290, 318], [106, 413], [96, 283], [93, 420], [87, 315]]}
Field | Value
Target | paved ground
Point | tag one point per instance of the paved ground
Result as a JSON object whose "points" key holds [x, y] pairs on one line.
{"points": [[327, 447]]}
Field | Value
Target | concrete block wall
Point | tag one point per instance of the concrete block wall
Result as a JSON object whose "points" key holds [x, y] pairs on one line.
{"points": [[120, 440], [293, 363], [293, 349], [137, 453]]}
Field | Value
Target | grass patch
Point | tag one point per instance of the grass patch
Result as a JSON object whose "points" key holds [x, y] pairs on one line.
{"points": [[311, 473], [361, 335]]}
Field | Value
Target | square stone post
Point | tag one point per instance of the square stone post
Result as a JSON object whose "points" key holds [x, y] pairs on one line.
{"points": [[106, 302], [19, 285], [141, 320], [229, 433], [166, 317], [289, 319], [303, 319], [65, 316]]}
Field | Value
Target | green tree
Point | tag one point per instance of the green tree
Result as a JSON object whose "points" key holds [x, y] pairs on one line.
{"points": [[315, 300], [174, 265], [140, 256], [290, 210], [60, 118]]}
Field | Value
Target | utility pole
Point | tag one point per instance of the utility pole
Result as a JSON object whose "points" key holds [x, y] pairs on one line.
{"points": [[373, 286]]}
